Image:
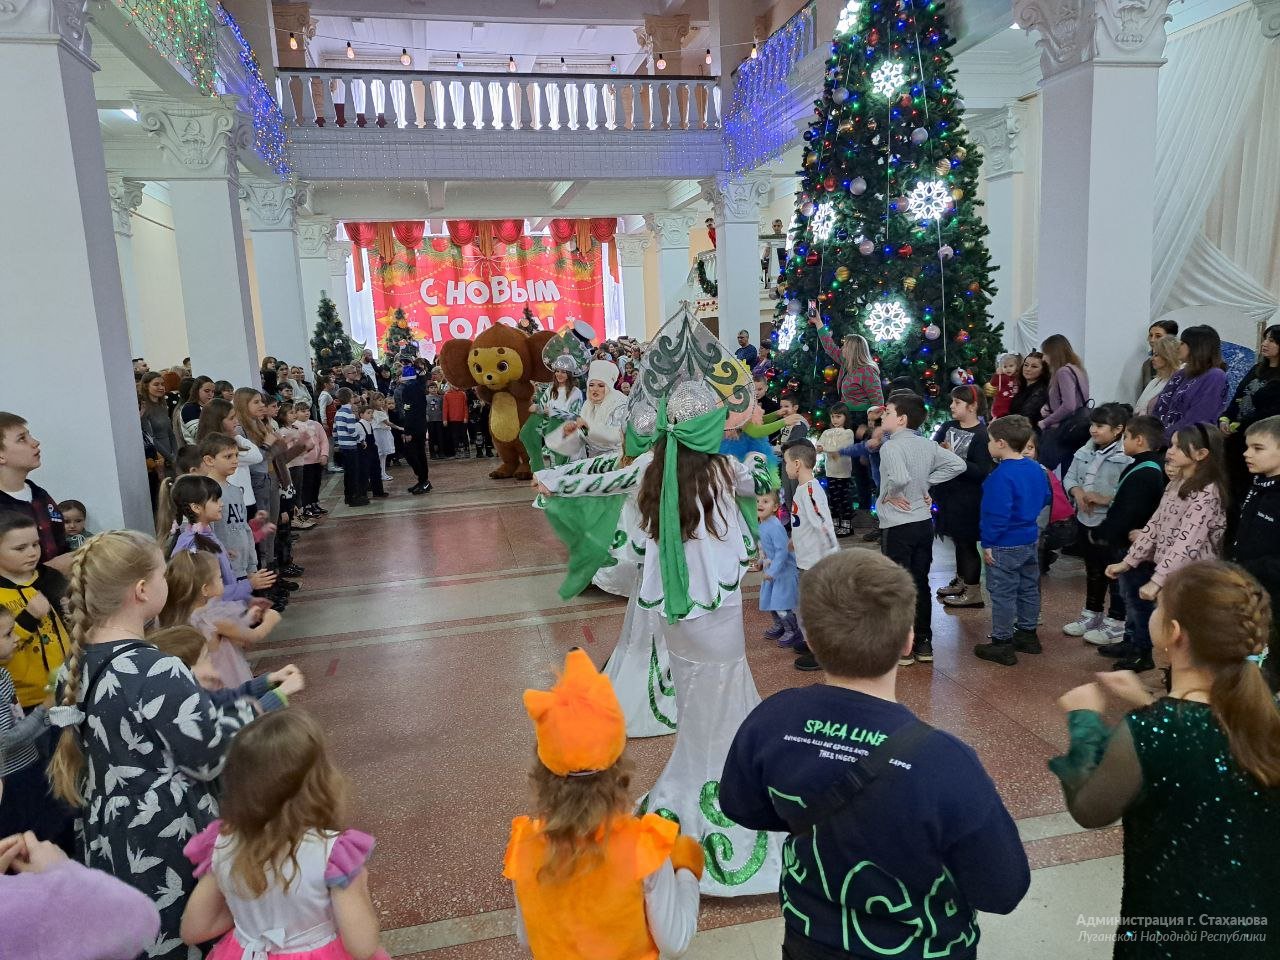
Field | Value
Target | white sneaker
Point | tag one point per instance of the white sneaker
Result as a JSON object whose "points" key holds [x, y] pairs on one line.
{"points": [[1111, 631], [386, 477], [1088, 620]]}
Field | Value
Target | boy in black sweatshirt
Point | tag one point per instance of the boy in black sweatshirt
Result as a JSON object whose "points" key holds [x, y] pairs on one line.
{"points": [[1256, 546], [1135, 500]]}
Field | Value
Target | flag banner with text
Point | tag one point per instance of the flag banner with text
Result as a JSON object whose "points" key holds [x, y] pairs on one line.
{"points": [[451, 292]]}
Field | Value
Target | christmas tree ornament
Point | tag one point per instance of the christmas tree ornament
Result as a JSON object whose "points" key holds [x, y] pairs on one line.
{"points": [[942, 168], [909, 284], [887, 320], [866, 248], [857, 186], [808, 208], [829, 183], [793, 308], [957, 194], [871, 124], [919, 135], [887, 78], [840, 94], [848, 20], [961, 376], [905, 250], [928, 200], [932, 332], [829, 374], [824, 221], [975, 287], [961, 153], [811, 258], [962, 336], [945, 252]]}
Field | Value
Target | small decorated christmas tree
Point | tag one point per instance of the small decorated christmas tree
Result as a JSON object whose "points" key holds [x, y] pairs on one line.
{"points": [[329, 343], [399, 343], [888, 240]]}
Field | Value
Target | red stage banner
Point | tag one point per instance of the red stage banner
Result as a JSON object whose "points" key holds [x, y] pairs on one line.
{"points": [[455, 292]]}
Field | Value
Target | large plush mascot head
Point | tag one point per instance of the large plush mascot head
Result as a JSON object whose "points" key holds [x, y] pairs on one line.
{"points": [[498, 358]]}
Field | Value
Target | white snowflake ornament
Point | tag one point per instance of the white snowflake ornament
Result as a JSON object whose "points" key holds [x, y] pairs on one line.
{"points": [[888, 320], [887, 78], [929, 200]]}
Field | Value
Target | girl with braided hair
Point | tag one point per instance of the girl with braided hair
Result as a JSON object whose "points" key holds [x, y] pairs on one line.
{"points": [[140, 740], [1194, 775]]}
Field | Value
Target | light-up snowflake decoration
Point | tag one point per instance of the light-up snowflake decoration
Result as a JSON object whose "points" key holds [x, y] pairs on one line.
{"points": [[848, 18], [929, 200], [888, 320], [887, 78], [824, 221], [786, 333]]}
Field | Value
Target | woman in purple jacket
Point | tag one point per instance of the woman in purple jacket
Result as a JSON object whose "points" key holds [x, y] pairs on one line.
{"points": [[1061, 434], [1198, 392]]}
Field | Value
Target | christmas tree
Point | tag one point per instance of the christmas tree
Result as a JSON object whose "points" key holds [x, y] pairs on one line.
{"points": [[329, 343], [887, 239], [399, 343]]}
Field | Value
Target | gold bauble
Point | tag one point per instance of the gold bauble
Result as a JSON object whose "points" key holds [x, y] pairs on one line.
{"points": [[961, 153], [957, 194], [845, 127], [842, 273], [943, 167], [810, 159], [909, 284]]}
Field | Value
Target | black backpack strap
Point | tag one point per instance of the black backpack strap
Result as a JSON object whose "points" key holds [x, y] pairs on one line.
{"points": [[899, 746]]}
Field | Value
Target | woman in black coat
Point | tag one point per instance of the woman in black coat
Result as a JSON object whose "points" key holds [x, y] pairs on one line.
{"points": [[1257, 398], [959, 500], [1034, 394]]}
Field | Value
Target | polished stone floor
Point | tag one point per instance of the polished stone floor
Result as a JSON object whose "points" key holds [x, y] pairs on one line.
{"points": [[423, 619]]}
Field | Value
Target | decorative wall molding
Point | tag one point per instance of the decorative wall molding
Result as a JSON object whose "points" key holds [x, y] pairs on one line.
{"points": [[1072, 32], [33, 21], [315, 234], [337, 255], [272, 205], [736, 199], [999, 133], [666, 35], [201, 138], [126, 197], [670, 228], [632, 247], [1269, 15]]}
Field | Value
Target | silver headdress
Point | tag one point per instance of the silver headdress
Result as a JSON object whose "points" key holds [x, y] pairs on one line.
{"points": [[566, 352]]}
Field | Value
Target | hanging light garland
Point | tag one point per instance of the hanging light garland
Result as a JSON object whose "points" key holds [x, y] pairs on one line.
{"points": [[184, 32], [269, 140]]}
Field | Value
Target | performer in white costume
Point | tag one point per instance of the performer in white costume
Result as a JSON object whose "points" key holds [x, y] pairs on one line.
{"points": [[556, 404]]}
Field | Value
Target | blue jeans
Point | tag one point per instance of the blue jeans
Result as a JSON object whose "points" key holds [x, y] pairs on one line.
{"points": [[1137, 612], [1013, 580]]}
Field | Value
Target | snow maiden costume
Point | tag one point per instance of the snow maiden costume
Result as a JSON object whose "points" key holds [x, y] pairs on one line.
{"points": [[554, 407], [687, 389]]}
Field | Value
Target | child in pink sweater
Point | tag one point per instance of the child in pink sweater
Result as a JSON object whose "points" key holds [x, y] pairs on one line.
{"points": [[311, 462]]}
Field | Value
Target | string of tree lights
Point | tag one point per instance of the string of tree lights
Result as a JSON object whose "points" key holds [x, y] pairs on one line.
{"points": [[887, 238]]}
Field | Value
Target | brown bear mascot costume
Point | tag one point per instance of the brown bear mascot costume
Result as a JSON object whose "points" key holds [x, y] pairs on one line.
{"points": [[502, 364]]}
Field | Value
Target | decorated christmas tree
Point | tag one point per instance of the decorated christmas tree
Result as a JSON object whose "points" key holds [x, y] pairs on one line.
{"points": [[887, 239], [399, 343], [329, 343]]}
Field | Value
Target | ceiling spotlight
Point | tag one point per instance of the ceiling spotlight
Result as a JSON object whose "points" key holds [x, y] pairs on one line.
{"points": [[405, 59], [457, 61], [707, 58], [613, 64], [351, 54], [511, 64], [755, 51], [661, 63], [293, 42]]}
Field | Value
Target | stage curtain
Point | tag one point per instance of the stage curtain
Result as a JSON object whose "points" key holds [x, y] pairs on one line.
{"points": [[561, 230], [603, 230], [409, 234], [362, 235]]}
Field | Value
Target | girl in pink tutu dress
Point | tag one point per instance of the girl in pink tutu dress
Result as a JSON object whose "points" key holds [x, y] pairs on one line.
{"points": [[195, 598], [279, 876]]}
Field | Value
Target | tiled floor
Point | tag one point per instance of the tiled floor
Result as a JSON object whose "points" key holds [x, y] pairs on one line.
{"points": [[422, 620]]}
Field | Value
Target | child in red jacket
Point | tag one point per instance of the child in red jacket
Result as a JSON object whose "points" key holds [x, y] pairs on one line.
{"points": [[456, 413]]}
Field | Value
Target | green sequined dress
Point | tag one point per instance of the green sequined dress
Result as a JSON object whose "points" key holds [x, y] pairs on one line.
{"points": [[1201, 845]]}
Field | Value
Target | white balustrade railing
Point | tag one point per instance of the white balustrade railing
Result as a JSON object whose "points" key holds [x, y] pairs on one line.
{"points": [[500, 101]]}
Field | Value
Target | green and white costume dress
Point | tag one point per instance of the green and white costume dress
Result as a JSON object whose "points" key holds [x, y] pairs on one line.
{"points": [[554, 408], [586, 496]]}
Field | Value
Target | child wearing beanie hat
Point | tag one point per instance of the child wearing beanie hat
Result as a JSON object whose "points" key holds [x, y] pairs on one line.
{"points": [[593, 881]]}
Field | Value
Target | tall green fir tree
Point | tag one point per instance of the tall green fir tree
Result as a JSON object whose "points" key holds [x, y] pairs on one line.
{"points": [[329, 342], [399, 345], [887, 241]]}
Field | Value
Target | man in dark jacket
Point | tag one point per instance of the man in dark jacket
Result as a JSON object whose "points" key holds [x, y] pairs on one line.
{"points": [[413, 396]]}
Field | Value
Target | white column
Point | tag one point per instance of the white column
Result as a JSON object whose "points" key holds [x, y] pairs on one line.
{"points": [[631, 250], [271, 205], [338, 254], [315, 240], [1097, 173], [126, 197], [63, 259], [998, 132], [735, 205], [671, 230], [201, 139]]}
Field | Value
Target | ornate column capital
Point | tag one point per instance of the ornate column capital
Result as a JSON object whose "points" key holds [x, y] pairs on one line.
{"points": [[670, 228], [201, 137], [999, 133], [337, 254], [632, 247], [36, 21], [736, 199], [664, 34], [272, 204], [1073, 32], [126, 197], [314, 236], [1269, 14]]}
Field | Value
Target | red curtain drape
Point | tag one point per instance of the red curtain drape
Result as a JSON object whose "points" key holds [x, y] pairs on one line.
{"points": [[409, 233], [363, 236], [484, 233]]}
